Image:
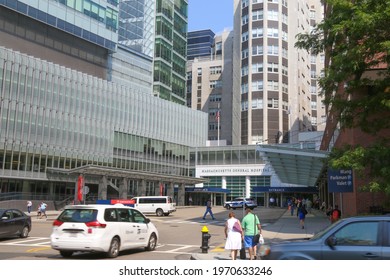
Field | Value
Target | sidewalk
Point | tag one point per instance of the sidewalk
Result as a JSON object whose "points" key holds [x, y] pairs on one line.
{"points": [[286, 227]]}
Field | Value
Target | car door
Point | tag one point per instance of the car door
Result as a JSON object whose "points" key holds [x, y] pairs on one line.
{"points": [[386, 244], [141, 228], [7, 226], [128, 228], [359, 240], [19, 220]]}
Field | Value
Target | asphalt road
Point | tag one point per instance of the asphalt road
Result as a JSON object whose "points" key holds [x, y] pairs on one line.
{"points": [[180, 236]]}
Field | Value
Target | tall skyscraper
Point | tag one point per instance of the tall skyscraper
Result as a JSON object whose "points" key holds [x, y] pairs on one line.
{"points": [[170, 50], [276, 81], [209, 85]]}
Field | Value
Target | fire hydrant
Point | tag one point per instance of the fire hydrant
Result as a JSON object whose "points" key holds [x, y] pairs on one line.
{"points": [[205, 240]]}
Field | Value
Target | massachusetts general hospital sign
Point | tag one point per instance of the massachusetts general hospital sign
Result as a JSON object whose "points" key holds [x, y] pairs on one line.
{"points": [[241, 170]]}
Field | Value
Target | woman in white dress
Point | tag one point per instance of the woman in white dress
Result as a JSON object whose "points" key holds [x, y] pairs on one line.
{"points": [[234, 235]]}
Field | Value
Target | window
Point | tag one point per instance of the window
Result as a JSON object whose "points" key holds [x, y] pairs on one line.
{"points": [[273, 15], [273, 103], [215, 70], [244, 36], [358, 234], [199, 71], [273, 67], [257, 85], [257, 103], [244, 3], [284, 36], [244, 19], [273, 32], [244, 70], [257, 33], [273, 50], [273, 85], [257, 15], [257, 68], [257, 50], [244, 88], [244, 53]]}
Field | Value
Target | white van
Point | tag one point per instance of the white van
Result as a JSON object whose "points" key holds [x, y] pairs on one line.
{"points": [[159, 205]]}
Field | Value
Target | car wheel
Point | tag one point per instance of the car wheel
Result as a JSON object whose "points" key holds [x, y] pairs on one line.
{"points": [[66, 254], [113, 252], [159, 212], [152, 242], [25, 232], [228, 207]]}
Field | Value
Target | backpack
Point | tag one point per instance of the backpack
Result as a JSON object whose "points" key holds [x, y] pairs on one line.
{"points": [[335, 215]]}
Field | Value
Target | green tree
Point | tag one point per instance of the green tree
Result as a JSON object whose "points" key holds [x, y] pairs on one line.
{"points": [[355, 37]]}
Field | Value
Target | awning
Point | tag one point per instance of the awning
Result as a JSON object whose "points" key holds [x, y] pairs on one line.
{"points": [[129, 174], [292, 165]]}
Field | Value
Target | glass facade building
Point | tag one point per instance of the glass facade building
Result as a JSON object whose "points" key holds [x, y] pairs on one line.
{"points": [[52, 117], [200, 43], [170, 50]]}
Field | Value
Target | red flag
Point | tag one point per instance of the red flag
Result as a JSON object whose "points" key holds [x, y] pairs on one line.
{"points": [[217, 115], [161, 189]]}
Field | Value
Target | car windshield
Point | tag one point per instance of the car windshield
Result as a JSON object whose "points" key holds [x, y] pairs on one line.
{"points": [[78, 215]]}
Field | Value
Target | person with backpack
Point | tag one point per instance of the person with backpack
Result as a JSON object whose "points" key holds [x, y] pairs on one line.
{"points": [[335, 215]]}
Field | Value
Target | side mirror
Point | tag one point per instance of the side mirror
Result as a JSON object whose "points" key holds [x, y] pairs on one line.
{"points": [[147, 221], [331, 242]]}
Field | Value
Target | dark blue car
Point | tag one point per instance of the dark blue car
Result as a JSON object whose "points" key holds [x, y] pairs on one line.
{"points": [[14, 222]]}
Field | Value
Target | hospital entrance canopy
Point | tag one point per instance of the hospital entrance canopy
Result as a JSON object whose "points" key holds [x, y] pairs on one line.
{"points": [[293, 165]]}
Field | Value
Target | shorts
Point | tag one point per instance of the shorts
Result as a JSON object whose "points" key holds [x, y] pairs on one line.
{"points": [[248, 241]]}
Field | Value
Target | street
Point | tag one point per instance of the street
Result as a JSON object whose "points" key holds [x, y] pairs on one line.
{"points": [[180, 236]]}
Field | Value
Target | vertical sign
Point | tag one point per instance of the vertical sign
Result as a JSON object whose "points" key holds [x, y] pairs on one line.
{"points": [[340, 180]]}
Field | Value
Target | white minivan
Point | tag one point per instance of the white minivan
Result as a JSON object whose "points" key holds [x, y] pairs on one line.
{"points": [[159, 205]]}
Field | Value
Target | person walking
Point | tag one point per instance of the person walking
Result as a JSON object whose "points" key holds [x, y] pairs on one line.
{"points": [[234, 235], [251, 226], [29, 206], [208, 210], [301, 212], [43, 209]]}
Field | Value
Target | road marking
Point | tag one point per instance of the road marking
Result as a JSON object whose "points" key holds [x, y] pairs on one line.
{"points": [[33, 250], [219, 248]]}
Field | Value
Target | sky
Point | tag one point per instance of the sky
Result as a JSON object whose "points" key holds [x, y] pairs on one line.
{"points": [[210, 14]]}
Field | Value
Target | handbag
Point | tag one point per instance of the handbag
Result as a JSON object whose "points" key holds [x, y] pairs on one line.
{"points": [[237, 227]]}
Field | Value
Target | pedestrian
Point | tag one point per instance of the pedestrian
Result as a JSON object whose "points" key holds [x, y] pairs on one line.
{"points": [[335, 215], [251, 226], [234, 235], [39, 213], [301, 212], [208, 210], [29, 206], [190, 200], [43, 209]]}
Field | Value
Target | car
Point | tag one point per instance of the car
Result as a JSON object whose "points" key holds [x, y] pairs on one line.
{"points": [[159, 205], [102, 228], [14, 222], [354, 238], [239, 202]]}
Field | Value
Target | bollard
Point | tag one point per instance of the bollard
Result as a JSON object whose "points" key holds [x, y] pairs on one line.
{"points": [[205, 240]]}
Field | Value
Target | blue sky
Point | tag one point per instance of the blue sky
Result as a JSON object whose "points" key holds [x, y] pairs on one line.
{"points": [[210, 14]]}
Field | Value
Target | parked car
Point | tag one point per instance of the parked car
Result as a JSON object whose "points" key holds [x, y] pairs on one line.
{"points": [[14, 222], [102, 228], [355, 238], [240, 202]]}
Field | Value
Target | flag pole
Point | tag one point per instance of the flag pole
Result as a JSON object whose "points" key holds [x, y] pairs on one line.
{"points": [[219, 116]]}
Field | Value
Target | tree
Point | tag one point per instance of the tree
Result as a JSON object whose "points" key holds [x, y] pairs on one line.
{"points": [[355, 37]]}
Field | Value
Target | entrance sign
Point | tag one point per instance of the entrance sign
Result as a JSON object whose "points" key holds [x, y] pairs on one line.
{"points": [[340, 180]]}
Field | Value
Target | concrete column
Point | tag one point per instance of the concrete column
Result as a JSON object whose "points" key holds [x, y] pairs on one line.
{"points": [[171, 190], [123, 188], [247, 186], [102, 191], [142, 191], [181, 195]]}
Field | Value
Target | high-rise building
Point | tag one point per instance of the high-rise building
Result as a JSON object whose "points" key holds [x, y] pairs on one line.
{"points": [[199, 43], [209, 89], [279, 96], [169, 71]]}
